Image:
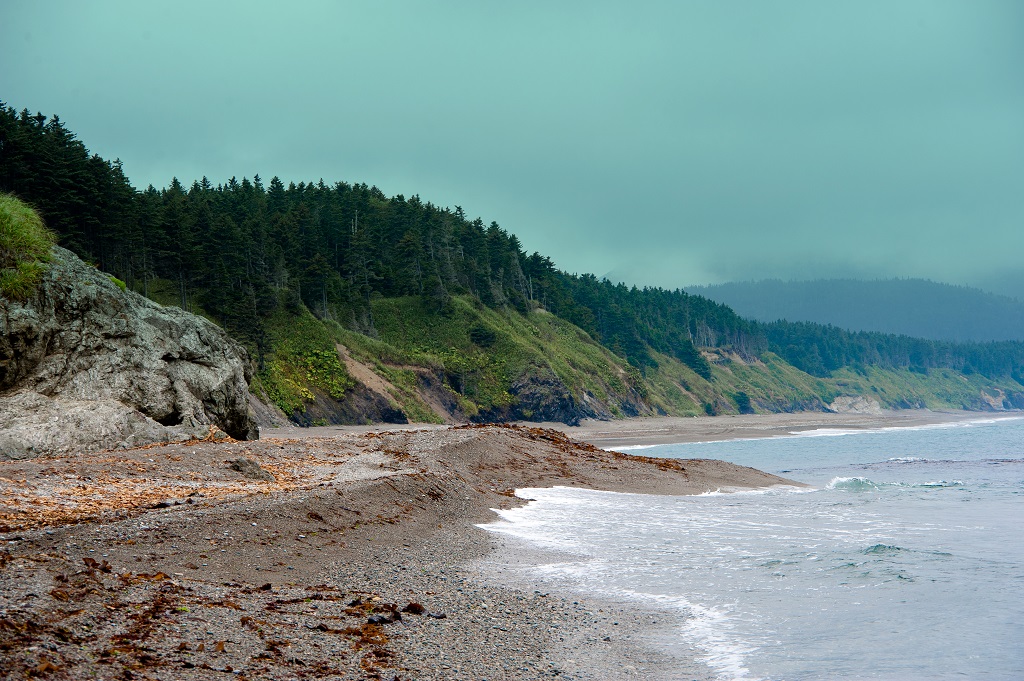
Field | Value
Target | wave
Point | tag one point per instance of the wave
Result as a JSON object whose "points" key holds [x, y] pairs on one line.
{"points": [[861, 484], [856, 484], [881, 549], [710, 628], [836, 432], [921, 459]]}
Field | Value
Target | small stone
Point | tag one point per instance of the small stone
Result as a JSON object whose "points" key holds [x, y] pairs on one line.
{"points": [[251, 469]]}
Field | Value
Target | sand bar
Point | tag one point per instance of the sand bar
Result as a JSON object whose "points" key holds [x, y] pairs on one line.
{"points": [[639, 432]]}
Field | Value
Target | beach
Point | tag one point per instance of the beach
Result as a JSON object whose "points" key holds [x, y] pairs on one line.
{"points": [[645, 432], [347, 552]]}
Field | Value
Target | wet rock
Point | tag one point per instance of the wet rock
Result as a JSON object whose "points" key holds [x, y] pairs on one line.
{"points": [[87, 366]]}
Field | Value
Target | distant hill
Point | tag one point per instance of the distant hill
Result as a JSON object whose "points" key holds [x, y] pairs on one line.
{"points": [[914, 307]]}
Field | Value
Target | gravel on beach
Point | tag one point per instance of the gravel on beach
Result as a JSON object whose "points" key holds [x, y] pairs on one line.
{"points": [[349, 556]]}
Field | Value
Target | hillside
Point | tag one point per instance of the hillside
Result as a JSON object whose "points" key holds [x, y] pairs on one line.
{"points": [[911, 307], [355, 307]]}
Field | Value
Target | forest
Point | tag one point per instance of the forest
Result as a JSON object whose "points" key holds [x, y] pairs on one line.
{"points": [[240, 251]]}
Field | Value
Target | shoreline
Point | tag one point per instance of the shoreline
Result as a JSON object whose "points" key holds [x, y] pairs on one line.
{"points": [[650, 431], [635, 433], [355, 562], [611, 638], [279, 578]]}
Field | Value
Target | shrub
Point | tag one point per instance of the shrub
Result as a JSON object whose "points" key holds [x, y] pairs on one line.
{"points": [[25, 245], [482, 336]]}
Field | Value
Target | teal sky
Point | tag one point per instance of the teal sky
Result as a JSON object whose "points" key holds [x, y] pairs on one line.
{"points": [[668, 143]]}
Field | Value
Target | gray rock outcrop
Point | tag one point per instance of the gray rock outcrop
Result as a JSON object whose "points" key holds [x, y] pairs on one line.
{"points": [[85, 365], [854, 404]]}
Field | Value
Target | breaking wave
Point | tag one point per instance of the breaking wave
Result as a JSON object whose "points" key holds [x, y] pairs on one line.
{"points": [[861, 484]]}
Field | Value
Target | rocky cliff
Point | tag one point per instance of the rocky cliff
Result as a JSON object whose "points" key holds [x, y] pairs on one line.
{"points": [[85, 365]]}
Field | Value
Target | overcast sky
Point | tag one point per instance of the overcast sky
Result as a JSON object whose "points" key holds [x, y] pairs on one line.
{"points": [[667, 143]]}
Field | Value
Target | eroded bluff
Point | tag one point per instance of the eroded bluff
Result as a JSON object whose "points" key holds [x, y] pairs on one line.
{"points": [[87, 366]]}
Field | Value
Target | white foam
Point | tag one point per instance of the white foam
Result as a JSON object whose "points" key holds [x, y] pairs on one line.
{"points": [[629, 448], [711, 630], [758, 573], [829, 432], [838, 432], [855, 482]]}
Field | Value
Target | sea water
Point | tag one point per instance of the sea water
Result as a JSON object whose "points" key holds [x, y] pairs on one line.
{"points": [[905, 560]]}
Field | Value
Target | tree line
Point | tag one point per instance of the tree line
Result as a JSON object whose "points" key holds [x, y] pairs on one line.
{"points": [[244, 249]]}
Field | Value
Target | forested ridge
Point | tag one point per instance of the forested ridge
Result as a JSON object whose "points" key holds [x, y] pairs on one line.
{"points": [[913, 307], [243, 250]]}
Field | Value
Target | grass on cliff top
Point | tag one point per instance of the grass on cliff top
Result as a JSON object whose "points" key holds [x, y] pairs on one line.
{"points": [[25, 245], [483, 352]]}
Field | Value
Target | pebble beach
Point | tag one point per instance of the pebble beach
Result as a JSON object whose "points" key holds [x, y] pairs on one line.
{"points": [[347, 553]]}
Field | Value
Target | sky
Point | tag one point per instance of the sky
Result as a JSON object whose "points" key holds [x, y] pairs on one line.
{"points": [[656, 143]]}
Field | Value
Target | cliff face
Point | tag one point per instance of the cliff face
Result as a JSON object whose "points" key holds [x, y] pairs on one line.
{"points": [[85, 365]]}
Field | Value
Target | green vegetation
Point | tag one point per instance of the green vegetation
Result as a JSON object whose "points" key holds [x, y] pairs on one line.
{"points": [[449, 312], [304, 361], [397, 368], [935, 389], [25, 245], [481, 353]]}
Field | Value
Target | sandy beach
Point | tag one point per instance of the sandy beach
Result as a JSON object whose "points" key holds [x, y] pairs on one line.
{"points": [[642, 432], [348, 553]]}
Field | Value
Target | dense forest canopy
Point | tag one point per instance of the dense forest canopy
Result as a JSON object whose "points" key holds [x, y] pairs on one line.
{"points": [[241, 249]]}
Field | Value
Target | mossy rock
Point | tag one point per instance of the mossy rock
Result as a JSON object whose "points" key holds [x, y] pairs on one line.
{"points": [[25, 245]]}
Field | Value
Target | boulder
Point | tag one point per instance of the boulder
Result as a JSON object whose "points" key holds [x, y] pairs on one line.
{"points": [[85, 365], [854, 404]]}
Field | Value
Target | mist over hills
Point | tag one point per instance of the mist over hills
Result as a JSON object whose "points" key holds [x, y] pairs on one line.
{"points": [[912, 307]]}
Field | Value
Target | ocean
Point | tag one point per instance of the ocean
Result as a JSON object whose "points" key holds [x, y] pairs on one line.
{"points": [[905, 560]]}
